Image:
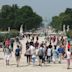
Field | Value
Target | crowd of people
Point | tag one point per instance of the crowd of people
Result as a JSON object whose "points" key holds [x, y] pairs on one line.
{"points": [[48, 53], [51, 50]]}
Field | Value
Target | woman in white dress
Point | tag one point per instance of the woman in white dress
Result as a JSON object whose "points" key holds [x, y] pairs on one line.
{"points": [[7, 55]]}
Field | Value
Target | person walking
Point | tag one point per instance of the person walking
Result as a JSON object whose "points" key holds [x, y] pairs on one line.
{"points": [[51, 47], [34, 56], [44, 54], [49, 51], [69, 46], [7, 54], [36, 45], [18, 55], [7, 42], [68, 54], [55, 53], [28, 55], [27, 45], [61, 52], [20, 46], [40, 54], [37, 38]]}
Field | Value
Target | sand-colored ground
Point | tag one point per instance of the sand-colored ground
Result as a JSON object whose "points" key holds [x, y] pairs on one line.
{"points": [[30, 68]]}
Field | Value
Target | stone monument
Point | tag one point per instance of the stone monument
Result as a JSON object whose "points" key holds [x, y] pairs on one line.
{"points": [[21, 30], [64, 29], [67, 28], [8, 29]]}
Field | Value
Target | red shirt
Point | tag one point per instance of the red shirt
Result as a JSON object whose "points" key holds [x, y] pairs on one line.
{"points": [[7, 43], [68, 45]]}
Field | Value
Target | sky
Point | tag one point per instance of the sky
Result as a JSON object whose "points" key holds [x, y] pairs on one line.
{"points": [[45, 8]]}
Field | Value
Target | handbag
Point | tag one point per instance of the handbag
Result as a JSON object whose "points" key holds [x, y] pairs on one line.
{"points": [[25, 54]]}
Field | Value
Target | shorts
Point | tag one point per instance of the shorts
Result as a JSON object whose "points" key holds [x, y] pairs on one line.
{"points": [[68, 61], [7, 57], [40, 57], [18, 57]]}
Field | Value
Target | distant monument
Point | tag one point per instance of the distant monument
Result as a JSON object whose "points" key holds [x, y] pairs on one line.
{"points": [[64, 28], [67, 28], [8, 29], [21, 30], [50, 30]]}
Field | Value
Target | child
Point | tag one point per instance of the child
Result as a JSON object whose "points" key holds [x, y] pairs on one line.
{"points": [[54, 55], [68, 53], [17, 55]]}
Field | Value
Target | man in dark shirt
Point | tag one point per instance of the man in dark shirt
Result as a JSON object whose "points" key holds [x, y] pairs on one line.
{"points": [[31, 42], [36, 44], [60, 51]]}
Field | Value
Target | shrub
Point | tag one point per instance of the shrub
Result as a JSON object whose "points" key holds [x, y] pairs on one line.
{"points": [[11, 34], [69, 34]]}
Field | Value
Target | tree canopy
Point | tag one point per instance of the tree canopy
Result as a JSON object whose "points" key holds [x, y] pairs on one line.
{"points": [[64, 18], [13, 16]]}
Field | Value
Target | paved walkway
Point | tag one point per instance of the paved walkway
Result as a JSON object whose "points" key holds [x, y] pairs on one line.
{"points": [[25, 68]]}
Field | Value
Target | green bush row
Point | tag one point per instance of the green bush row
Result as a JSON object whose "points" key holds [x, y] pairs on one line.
{"points": [[11, 34]]}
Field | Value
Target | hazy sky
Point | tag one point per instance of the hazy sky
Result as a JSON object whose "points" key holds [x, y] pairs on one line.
{"points": [[45, 8]]}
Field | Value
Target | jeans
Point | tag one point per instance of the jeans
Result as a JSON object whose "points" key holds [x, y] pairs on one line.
{"points": [[60, 57], [28, 58], [33, 60], [43, 59], [49, 59]]}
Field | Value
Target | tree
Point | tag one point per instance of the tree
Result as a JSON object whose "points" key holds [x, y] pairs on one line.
{"points": [[13, 16], [63, 18]]}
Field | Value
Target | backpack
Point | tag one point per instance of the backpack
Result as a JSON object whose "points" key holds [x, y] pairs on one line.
{"points": [[40, 53], [10, 50], [17, 53]]}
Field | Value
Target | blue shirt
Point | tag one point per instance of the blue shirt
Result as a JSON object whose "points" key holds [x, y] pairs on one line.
{"points": [[18, 50], [61, 50]]}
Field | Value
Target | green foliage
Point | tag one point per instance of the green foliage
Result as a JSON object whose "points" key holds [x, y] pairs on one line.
{"points": [[69, 34], [64, 18], [13, 16], [1, 38], [12, 34]]}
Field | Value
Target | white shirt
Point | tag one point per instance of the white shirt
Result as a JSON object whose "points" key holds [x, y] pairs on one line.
{"points": [[48, 52], [32, 48], [68, 54]]}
